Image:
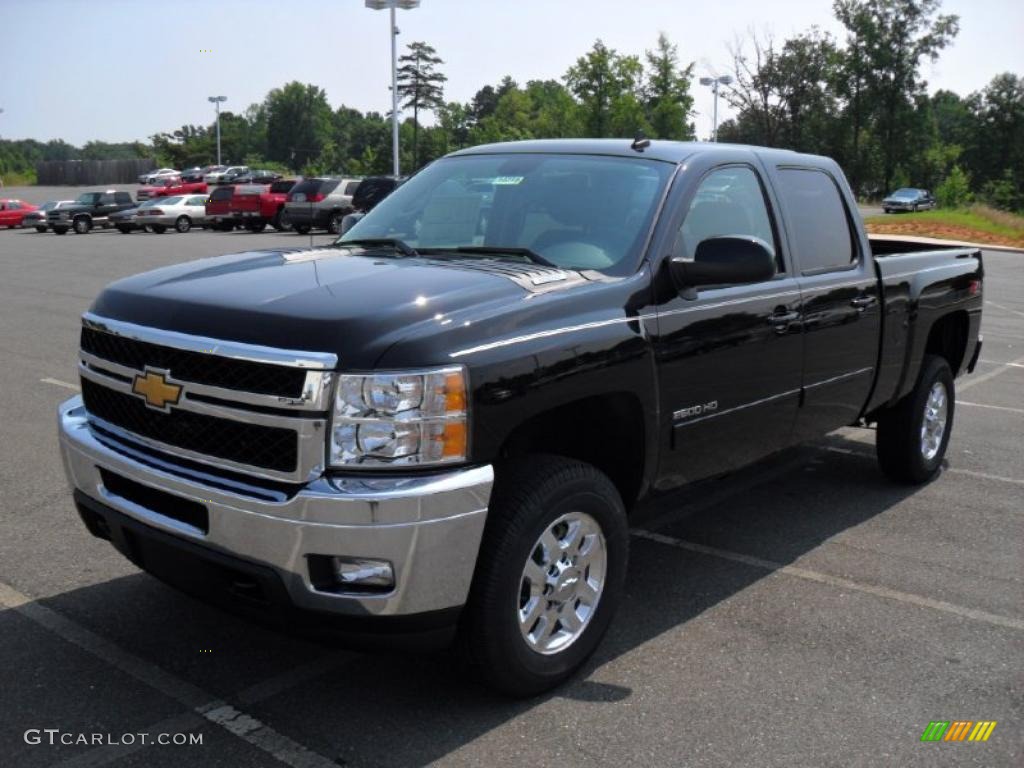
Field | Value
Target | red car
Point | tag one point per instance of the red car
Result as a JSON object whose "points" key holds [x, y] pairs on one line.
{"points": [[257, 205], [178, 187], [155, 189], [13, 211]]}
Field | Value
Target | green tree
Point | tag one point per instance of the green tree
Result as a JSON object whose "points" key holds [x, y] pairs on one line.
{"points": [[608, 89], [955, 189], [667, 98], [887, 41], [421, 86], [298, 123]]}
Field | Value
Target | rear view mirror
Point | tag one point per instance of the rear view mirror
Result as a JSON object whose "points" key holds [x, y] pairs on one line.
{"points": [[733, 260]]}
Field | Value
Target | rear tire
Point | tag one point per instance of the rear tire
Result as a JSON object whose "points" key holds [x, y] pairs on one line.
{"points": [[256, 226], [334, 223], [282, 222], [60, 230], [124, 230], [549, 575], [40, 230], [301, 229], [158, 228], [913, 434], [183, 224]]}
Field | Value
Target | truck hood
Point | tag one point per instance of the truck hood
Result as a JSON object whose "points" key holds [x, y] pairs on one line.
{"points": [[353, 304]]}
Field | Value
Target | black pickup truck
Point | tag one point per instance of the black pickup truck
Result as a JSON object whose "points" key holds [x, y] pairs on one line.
{"points": [[436, 428], [91, 209]]}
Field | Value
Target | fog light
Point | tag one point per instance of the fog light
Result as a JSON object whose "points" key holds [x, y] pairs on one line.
{"points": [[355, 571]]}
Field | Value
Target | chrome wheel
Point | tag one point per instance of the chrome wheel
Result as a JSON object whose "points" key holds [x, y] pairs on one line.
{"points": [[933, 426], [562, 582]]}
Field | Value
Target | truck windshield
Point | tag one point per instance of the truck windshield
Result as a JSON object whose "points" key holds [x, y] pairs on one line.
{"points": [[575, 211]]}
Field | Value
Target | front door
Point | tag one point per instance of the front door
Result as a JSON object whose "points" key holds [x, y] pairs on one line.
{"points": [[728, 356]]}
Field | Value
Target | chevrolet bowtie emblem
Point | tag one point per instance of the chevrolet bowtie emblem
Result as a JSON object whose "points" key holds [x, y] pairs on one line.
{"points": [[154, 387]]}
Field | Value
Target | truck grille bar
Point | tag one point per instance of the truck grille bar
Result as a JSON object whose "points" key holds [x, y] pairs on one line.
{"points": [[243, 408]]}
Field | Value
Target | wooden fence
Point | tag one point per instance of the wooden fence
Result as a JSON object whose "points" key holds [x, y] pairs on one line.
{"points": [[58, 173]]}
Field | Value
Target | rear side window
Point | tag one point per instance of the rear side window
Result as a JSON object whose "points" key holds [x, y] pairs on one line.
{"points": [[282, 186], [351, 188], [107, 198], [222, 193], [314, 187], [123, 197], [821, 233], [729, 201]]}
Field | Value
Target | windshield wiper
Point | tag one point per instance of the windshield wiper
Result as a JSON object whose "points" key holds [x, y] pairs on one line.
{"points": [[387, 242], [495, 250]]}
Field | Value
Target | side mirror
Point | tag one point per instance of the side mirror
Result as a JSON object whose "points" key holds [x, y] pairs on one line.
{"points": [[724, 261], [350, 221]]}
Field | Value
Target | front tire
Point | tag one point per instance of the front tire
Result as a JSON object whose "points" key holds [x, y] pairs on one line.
{"points": [[256, 226], [158, 228], [913, 435], [40, 230], [549, 575], [60, 230], [334, 223], [301, 229], [82, 226], [124, 229]]}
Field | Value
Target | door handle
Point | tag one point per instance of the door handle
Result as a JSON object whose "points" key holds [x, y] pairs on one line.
{"points": [[781, 320], [862, 302]]}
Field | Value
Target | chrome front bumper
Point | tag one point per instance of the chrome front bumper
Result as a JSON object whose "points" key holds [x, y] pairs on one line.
{"points": [[428, 527]]}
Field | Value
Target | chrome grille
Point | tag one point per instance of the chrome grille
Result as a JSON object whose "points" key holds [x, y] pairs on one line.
{"points": [[243, 407]]}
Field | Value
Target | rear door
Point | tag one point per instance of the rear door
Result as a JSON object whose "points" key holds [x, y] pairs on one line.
{"points": [[840, 308], [728, 356]]}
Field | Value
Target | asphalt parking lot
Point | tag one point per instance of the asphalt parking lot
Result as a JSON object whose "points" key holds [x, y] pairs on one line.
{"points": [[803, 612]]}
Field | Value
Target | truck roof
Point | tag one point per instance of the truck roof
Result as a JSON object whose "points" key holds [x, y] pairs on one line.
{"points": [[667, 151]]}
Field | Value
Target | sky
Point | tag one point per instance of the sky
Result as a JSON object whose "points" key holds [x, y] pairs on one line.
{"points": [[123, 70]]}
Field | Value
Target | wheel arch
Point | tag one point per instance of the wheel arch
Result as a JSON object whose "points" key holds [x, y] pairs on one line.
{"points": [[607, 431]]}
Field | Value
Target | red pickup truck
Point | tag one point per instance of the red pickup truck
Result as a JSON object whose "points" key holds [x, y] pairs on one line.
{"points": [[219, 215], [171, 187], [257, 205]]}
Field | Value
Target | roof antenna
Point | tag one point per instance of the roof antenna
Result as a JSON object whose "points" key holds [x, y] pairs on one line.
{"points": [[640, 143]]}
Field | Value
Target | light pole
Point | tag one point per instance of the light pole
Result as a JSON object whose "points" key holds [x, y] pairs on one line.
{"points": [[714, 82], [392, 5], [216, 100]]}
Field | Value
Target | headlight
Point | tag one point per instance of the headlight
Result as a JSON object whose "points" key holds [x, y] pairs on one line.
{"points": [[399, 419]]}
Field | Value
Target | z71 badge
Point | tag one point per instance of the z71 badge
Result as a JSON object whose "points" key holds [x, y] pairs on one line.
{"points": [[696, 410]]}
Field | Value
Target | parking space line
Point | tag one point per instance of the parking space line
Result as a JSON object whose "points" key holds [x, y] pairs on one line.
{"points": [[993, 407], [976, 380], [833, 581], [1005, 309], [59, 383], [954, 470], [243, 726]]}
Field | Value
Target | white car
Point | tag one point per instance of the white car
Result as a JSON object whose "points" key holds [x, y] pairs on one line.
{"points": [[150, 176], [218, 176], [180, 212]]}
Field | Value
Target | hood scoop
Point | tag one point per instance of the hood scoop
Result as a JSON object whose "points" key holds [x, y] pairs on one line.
{"points": [[536, 278]]}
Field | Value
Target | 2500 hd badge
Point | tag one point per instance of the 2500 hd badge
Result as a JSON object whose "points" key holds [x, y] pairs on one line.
{"points": [[435, 428]]}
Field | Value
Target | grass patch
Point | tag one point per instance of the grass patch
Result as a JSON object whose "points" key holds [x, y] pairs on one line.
{"points": [[979, 223], [12, 179]]}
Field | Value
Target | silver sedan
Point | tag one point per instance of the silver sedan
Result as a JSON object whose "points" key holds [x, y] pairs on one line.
{"points": [[181, 213]]}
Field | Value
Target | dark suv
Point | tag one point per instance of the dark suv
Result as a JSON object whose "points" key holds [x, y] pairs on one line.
{"points": [[91, 209]]}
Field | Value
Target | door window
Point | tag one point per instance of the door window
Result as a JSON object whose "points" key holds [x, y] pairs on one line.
{"points": [[822, 238], [729, 202]]}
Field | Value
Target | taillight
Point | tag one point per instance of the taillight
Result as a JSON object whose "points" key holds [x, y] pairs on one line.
{"points": [[156, 212], [315, 198], [974, 287]]}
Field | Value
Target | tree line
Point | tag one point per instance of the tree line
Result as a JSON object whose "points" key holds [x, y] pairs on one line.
{"points": [[860, 99]]}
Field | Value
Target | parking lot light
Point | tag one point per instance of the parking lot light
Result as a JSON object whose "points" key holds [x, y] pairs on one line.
{"points": [[216, 101], [379, 5], [714, 82]]}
